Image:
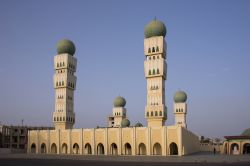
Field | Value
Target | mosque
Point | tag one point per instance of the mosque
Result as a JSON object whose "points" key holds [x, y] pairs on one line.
{"points": [[119, 137]]}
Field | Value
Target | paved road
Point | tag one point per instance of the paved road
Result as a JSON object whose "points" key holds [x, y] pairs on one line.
{"points": [[63, 162]]}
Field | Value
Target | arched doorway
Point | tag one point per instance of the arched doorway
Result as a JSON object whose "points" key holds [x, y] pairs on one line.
{"points": [[128, 149], [142, 149], [53, 148], [113, 149], [157, 149], [234, 148], [173, 149], [33, 148], [100, 148], [246, 148], [64, 148], [87, 149], [43, 148], [75, 148]]}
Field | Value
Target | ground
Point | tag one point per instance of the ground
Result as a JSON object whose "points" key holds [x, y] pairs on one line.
{"points": [[204, 159]]}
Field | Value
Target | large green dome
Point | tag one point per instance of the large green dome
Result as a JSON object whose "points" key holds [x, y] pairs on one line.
{"points": [[155, 28], [180, 97], [125, 123], [66, 46], [119, 102], [246, 132]]}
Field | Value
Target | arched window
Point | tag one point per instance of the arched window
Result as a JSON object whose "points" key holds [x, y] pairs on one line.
{"points": [[153, 49], [54, 118], [156, 113], [60, 118], [57, 64], [154, 57], [62, 83], [181, 110], [158, 71], [147, 113], [149, 72], [59, 83], [149, 50], [63, 64], [152, 113], [153, 71], [160, 113], [60, 64], [56, 83], [63, 118], [157, 49]]}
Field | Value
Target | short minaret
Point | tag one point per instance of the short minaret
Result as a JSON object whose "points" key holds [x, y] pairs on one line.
{"points": [[180, 108], [155, 68], [119, 111], [64, 85]]}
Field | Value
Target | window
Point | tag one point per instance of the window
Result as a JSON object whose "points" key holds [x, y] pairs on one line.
{"points": [[54, 118], [160, 113], [156, 113], [153, 71], [158, 71], [157, 57], [63, 118], [149, 50], [152, 113], [157, 49], [176, 110], [56, 83], [62, 83], [57, 64], [149, 58], [153, 49], [60, 118], [147, 113], [60, 64], [63, 64], [57, 118], [149, 72]]}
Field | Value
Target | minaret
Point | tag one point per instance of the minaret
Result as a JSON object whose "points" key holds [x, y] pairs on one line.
{"points": [[64, 85], [119, 111], [155, 68], [180, 108]]}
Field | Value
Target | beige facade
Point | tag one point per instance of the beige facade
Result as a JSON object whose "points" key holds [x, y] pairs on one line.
{"points": [[166, 140], [118, 138]]}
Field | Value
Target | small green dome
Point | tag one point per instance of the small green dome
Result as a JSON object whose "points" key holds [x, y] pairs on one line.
{"points": [[66, 46], [180, 97], [246, 132], [155, 28], [119, 102], [138, 124], [125, 123]]}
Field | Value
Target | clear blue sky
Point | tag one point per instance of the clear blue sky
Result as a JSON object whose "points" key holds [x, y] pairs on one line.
{"points": [[208, 57]]}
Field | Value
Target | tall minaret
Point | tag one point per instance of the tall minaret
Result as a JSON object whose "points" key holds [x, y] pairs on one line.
{"points": [[180, 108], [64, 85], [155, 67]]}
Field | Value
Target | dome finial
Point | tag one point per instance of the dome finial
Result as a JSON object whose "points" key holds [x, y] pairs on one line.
{"points": [[155, 28]]}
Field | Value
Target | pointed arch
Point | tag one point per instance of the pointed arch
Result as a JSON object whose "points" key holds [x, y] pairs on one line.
{"points": [[76, 148], [149, 72], [173, 148], [113, 149], [33, 148], [64, 148], [87, 149], [157, 149], [142, 149], [128, 149], [53, 148], [100, 148], [153, 49], [157, 49], [43, 148]]}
